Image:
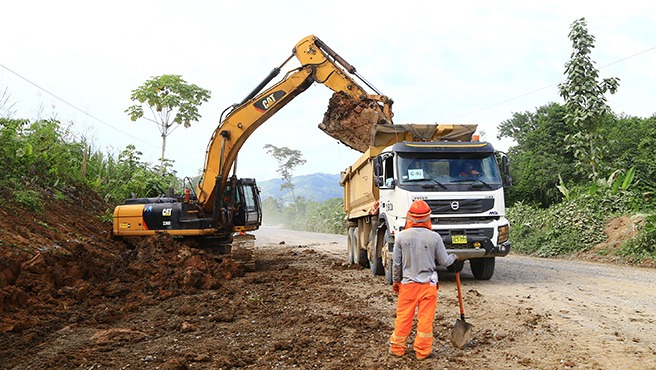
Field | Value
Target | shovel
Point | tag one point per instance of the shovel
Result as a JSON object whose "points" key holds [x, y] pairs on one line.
{"points": [[462, 330]]}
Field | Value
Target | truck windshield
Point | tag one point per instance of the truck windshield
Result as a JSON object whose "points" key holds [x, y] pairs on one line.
{"points": [[419, 168]]}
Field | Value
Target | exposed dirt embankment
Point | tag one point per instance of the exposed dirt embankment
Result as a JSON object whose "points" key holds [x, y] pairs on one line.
{"points": [[65, 257]]}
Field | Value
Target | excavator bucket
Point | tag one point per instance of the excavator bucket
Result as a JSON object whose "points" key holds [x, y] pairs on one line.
{"points": [[352, 121]]}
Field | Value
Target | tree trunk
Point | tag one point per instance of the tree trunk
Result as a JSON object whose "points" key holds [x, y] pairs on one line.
{"points": [[294, 197], [161, 159]]}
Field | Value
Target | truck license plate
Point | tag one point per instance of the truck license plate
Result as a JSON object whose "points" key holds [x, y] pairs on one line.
{"points": [[459, 239]]}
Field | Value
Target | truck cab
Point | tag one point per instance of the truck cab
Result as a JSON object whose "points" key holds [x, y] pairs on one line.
{"points": [[463, 185]]}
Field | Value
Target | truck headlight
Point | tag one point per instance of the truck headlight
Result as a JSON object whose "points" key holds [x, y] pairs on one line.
{"points": [[503, 234]]}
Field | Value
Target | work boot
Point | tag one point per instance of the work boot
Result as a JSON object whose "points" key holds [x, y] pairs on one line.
{"points": [[394, 354], [430, 355]]}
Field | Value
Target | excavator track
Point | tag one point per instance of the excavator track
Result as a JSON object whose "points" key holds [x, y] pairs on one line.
{"points": [[242, 250], [239, 248]]}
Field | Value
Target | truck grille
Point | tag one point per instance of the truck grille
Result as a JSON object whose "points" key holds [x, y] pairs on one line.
{"points": [[483, 232], [462, 220], [444, 206]]}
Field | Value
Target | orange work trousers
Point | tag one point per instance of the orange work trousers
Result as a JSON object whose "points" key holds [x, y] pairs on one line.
{"points": [[423, 298]]}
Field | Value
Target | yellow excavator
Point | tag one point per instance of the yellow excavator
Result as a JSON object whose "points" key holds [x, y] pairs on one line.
{"points": [[223, 206]]}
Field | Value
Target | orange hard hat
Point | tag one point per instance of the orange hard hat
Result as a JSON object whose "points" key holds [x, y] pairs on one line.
{"points": [[419, 209], [419, 215]]}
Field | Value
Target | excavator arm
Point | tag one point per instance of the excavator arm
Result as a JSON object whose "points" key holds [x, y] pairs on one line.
{"points": [[319, 64]]}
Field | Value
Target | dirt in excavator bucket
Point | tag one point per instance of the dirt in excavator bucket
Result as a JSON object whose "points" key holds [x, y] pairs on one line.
{"points": [[350, 121]]}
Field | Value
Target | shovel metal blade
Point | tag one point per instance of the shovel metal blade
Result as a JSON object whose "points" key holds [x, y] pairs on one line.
{"points": [[461, 333]]}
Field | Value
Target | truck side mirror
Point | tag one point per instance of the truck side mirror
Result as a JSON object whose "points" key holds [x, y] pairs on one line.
{"points": [[505, 167], [378, 166], [505, 164]]}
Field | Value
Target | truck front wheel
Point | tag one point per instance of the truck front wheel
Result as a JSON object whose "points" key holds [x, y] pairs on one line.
{"points": [[482, 268], [388, 272], [387, 249], [376, 266]]}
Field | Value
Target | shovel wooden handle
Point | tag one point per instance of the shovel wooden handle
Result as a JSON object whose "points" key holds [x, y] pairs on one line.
{"points": [[462, 307]]}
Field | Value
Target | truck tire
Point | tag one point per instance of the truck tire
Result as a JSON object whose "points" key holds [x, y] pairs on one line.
{"points": [[456, 266], [388, 268], [377, 267], [388, 272], [351, 245], [482, 268], [359, 254], [375, 262]]}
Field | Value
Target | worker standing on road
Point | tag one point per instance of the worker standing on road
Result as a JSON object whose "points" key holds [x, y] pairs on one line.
{"points": [[414, 276]]}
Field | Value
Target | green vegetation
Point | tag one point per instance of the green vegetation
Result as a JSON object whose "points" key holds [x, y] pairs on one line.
{"points": [[171, 101], [573, 225], [577, 165], [43, 157]]}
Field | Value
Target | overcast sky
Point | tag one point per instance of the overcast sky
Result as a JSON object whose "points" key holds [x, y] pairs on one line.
{"points": [[447, 62]]}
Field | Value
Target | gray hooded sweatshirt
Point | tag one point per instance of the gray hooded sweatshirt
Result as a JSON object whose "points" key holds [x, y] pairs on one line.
{"points": [[416, 251]]}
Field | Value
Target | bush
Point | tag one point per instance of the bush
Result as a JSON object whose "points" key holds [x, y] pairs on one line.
{"points": [[643, 246], [43, 157], [576, 224], [29, 198]]}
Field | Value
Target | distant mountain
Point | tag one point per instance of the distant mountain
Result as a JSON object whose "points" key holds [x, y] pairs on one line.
{"points": [[318, 187]]}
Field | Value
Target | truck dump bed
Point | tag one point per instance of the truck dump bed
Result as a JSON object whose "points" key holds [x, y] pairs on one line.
{"points": [[360, 192]]}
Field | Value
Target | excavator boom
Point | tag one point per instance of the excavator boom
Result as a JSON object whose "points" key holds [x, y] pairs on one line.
{"points": [[319, 64]]}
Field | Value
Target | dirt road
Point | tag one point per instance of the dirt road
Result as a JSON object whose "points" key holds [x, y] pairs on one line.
{"points": [[581, 314], [304, 307]]}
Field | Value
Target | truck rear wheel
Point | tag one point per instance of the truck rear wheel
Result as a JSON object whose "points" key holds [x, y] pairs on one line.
{"points": [[482, 268], [351, 245], [375, 262], [359, 254]]}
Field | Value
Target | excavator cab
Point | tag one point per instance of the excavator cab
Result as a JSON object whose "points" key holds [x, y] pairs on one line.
{"points": [[248, 208]]}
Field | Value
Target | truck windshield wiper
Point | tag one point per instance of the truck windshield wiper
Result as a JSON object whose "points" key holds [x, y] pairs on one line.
{"points": [[428, 185], [464, 179], [485, 183], [474, 179]]}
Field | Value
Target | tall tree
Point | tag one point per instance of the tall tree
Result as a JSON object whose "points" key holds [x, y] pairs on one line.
{"points": [[540, 154], [172, 101], [585, 102], [288, 160]]}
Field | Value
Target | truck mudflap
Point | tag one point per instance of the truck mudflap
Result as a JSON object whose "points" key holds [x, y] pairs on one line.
{"points": [[476, 247]]}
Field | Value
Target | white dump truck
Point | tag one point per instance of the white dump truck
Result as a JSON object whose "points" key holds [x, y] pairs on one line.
{"points": [[461, 178]]}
